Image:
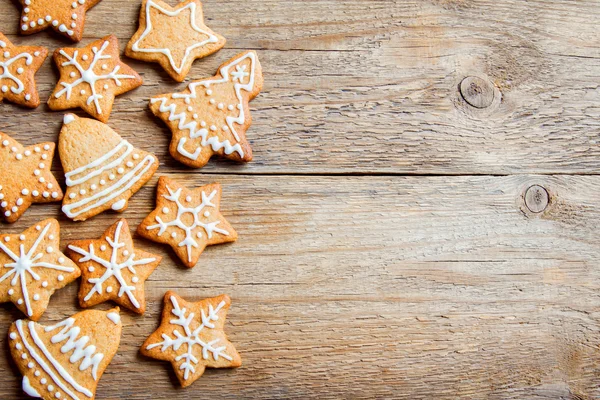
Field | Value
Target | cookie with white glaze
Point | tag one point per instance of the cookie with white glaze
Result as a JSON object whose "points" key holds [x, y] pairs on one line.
{"points": [[112, 269], [211, 115], [173, 36], [102, 169], [32, 267], [191, 336], [67, 359], [187, 220]]}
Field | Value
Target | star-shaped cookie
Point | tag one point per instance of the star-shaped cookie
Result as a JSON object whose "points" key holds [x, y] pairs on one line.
{"points": [[112, 269], [187, 220], [191, 337], [18, 65], [25, 177], [32, 268], [66, 17], [91, 78], [173, 36]]}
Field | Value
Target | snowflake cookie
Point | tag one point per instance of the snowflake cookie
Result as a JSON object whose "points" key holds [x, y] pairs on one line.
{"points": [[173, 36], [112, 269], [66, 360], [191, 337], [212, 115], [66, 17], [18, 65], [102, 169], [32, 268], [91, 78], [25, 177], [187, 220]]}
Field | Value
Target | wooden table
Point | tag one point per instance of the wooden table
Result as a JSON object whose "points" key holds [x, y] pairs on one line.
{"points": [[387, 246]]}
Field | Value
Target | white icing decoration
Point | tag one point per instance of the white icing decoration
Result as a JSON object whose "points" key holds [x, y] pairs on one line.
{"points": [[119, 205], [6, 74], [68, 119], [28, 389], [114, 317], [191, 337], [189, 241]]}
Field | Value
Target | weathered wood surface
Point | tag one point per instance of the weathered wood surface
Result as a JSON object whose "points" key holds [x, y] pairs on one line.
{"points": [[384, 285]]}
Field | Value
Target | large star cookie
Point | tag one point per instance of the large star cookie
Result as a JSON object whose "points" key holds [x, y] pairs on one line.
{"points": [[173, 36], [18, 65], [191, 337], [112, 269], [25, 177], [91, 78], [187, 220], [32, 268], [102, 169], [65, 361], [212, 115], [66, 17]]}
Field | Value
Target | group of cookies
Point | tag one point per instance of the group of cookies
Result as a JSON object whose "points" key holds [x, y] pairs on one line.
{"points": [[102, 172]]}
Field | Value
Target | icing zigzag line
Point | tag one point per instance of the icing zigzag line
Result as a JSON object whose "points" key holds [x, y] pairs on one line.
{"points": [[213, 141]]}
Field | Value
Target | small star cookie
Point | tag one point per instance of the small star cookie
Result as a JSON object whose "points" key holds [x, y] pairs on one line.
{"points": [[173, 36], [112, 269], [32, 268], [25, 177], [187, 220], [91, 78], [212, 115], [66, 17], [19, 65], [191, 337], [66, 360]]}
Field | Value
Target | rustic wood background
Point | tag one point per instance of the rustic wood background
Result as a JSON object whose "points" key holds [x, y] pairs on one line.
{"points": [[386, 249]]}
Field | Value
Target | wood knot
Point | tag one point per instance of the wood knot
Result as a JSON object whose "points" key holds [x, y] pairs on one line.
{"points": [[536, 199], [477, 92]]}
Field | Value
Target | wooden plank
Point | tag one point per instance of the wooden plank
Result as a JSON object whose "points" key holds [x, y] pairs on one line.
{"points": [[372, 86], [375, 287]]}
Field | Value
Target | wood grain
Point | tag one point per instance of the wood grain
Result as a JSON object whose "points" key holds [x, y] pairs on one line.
{"points": [[385, 247]]}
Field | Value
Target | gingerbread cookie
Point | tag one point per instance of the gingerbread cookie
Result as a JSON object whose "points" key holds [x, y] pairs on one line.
{"points": [[102, 169], [187, 220], [65, 360], [212, 115], [191, 337], [32, 268], [173, 36], [25, 177], [66, 17], [91, 78], [112, 269], [19, 65]]}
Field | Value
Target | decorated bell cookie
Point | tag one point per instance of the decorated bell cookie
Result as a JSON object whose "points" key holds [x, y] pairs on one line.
{"points": [[64, 16], [173, 36], [18, 65], [25, 177], [112, 269], [91, 78], [65, 360], [187, 220], [212, 115], [102, 169], [32, 268], [191, 337]]}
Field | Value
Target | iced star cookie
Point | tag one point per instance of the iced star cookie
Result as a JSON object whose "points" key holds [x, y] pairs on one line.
{"points": [[25, 177], [192, 338], [187, 220], [66, 17], [18, 65], [212, 115], [91, 78], [102, 169], [65, 360], [32, 268], [112, 269], [173, 36]]}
